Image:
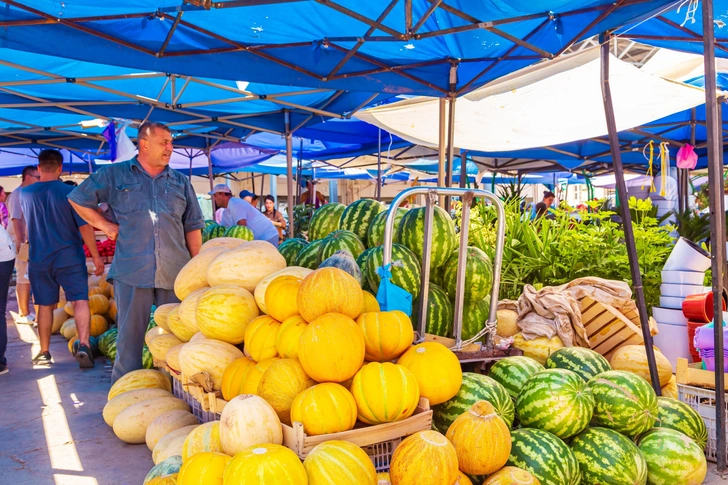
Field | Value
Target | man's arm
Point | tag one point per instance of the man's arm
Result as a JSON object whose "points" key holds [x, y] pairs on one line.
{"points": [[19, 228], [96, 220], [89, 238], [194, 241], [242, 222]]}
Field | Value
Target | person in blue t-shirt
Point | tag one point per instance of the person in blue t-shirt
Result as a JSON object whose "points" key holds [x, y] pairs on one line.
{"points": [[56, 235]]}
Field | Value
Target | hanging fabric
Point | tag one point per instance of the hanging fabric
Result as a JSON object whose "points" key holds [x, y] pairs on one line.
{"points": [[686, 157], [650, 160], [664, 167]]}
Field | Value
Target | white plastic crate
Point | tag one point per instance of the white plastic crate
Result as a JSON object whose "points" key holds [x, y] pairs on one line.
{"points": [[195, 406], [381, 453], [703, 401]]}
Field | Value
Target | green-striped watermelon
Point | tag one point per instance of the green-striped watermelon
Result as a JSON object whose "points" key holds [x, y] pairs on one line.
{"points": [[107, 340], [240, 232], [545, 456], [513, 372], [437, 276], [584, 362], [209, 222], [170, 466], [478, 275], [411, 233], [362, 262], [405, 269], [325, 220], [290, 248], [439, 312], [608, 458], [341, 240], [475, 387], [345, 262], [357, 216], [375, 233], [212, 231], [147, 359], [475, 314], [625, 402], [672, 458], [308, 256], [557, 401], [677, 415]]}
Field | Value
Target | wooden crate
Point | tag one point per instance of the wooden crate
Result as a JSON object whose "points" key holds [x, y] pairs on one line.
{"points": [[294, 437], [694, 375], [608, 329]]}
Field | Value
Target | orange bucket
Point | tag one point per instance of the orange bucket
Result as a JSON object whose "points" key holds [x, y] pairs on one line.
{"points": [[692, 327]]}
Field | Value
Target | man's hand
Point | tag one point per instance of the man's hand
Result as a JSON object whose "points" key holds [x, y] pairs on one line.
{"points": [[111, 230], [99, 265]]}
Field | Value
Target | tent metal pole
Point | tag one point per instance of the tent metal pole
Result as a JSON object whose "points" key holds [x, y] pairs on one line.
{"points": [[289, 171], [717, 221], [441, 149], [210, 175], [191, 167], [634, 264], [450, 148], [379, 167], [463, 169]]}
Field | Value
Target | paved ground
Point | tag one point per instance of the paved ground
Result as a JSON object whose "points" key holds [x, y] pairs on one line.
{"points": [[51, 429]]}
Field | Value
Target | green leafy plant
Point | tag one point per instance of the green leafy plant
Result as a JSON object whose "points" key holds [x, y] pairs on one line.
{"points": [[693, 226]]}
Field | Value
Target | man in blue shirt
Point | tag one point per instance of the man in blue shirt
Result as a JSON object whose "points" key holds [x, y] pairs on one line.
{"points": [[56, 236], [159, 229]]}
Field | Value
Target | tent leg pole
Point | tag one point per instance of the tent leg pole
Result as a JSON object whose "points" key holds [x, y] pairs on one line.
{"points": [[210, 176], [289, 173], [624, 212], [450, 148], [463, 169], [441, 150], [717, 220], [379, 167]]}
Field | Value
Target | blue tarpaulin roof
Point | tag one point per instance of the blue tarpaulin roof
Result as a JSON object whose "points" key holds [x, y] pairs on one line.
{"points": [[386, 46]]}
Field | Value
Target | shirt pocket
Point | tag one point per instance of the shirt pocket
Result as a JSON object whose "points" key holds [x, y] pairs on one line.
{"points": [[129, 198], [174, 200]]}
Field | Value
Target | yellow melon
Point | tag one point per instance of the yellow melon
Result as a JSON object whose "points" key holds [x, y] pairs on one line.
{"points": [[164, 480], [161, 314], [670, 390], [436, 369], [69, 330], [193, 275], [462, 479], [481, 439], [166, 423], [187, 310], [203, 439], [260, 338], [203, 469], [171, 444], [246, 265], [208, 356], [506, 320], [254, 375], [281, 383], [265, 464], [539, 348], [98, 304], [223, 242], [140, 379], [122, 401], [224, 312], [324, 408], [280, 297], [633, 358], [425, 458], [387, 335], [339, 463], [105, 285], [248, 421], [113, 311], [98, 325], [131, 424], [385, 393], [179, 328], [95, 290], [383, 477], [172, 357], [197, 336], [262, 287], [59, 316], [234, 376], [160, 345], [511, 475], [331, 349], [289, 335], [153, 333], [329, 290], [68, 307], [370, 302]]}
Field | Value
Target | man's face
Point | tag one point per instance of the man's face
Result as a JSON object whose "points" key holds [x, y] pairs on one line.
{"points": [[248, 199], [221, 200], [157, 148], [32, 177]]}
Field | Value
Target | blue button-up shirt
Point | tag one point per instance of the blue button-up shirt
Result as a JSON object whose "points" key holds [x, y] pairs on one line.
{"points": [[154, 214]]}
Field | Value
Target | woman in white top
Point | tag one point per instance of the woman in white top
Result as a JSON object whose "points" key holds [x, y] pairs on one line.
{"points": [[7, 264]]}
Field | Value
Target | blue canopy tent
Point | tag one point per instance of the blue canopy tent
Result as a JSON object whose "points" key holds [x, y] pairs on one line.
{"points": [[14, 160]]}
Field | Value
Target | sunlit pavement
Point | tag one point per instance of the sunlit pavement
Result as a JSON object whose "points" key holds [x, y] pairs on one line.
{"points": [[51, 429]]}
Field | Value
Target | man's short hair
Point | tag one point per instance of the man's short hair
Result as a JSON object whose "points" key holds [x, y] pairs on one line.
{"points": [[50, 160], [146, 129], [27, 171]]}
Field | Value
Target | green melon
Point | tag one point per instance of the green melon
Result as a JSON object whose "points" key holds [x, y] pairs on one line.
{"points": [[411, 233], [209, 222], [308, 256], [325, 220], [545, 456], [672, 458], [440, 312], [478, 275], [290, 248], [341, 240], [212, 231], [625, 402], [584, 362], [170, 466], [357, 216], [375, 233], [240, 232], [475, 314], [475, 387], [361, 261], [405, 269], [679, 416], [107, 340], [608, 458], [513, 372]]}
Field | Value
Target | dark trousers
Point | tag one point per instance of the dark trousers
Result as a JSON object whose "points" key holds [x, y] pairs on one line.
{"points": [[134, 309], [6, 272]]}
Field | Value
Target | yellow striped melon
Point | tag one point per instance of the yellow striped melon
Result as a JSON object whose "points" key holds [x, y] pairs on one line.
{"points": [[266, 464], [97, 325], [187, 310], [507, 323], [140, 379], [153, 333], [172, 357], [329, 290], [203, 469], [171, 444], [436, 369], [204, 438], [248, 421], [340, 463], [385, 393], [387, 335], [670, 390], [464, 480], [383, 477], [117, 404], [68, 308], [113, 310], [331, 349], [224, 312], [209, 356], [289, 335], [234, 377], [161, 314], [98, 304], [193, 275], [160, 345], [68, 329], [280, 385], [59, 316], [223, 242], [179, 328], [254, 375], [262, 287], [131, 424], [370, 302], [165, 480], [166, 423], [260, 338], [633, 358], [197, 336], [511, 475], [539, 348], [324, 408], [280, 297], [246, 265], [425, 458]]}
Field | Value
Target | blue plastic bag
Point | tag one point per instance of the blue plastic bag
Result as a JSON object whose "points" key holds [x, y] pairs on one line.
{"points": [[390, 296]]}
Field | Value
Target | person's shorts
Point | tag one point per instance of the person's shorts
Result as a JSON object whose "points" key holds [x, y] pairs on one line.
{"points": [[21, 271], [45, 285]]}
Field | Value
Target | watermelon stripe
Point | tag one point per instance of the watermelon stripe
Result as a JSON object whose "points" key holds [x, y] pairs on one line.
{"points": [[406, 276], [440, 313], [325, 220], [585, 362], [475, 314], [475, 387], [308, 256], [341, 240], [411, 233], [290, 248], [625, 402], [672, 458], [679, 416], [357, 216], [375, 233], [478, 274], [607, 457], [545, 456], [513, 372], [240, 232]]}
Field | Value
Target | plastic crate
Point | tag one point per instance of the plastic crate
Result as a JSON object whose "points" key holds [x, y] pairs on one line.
{"points": [[703, 401], [381, 453], [196, 408]]}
